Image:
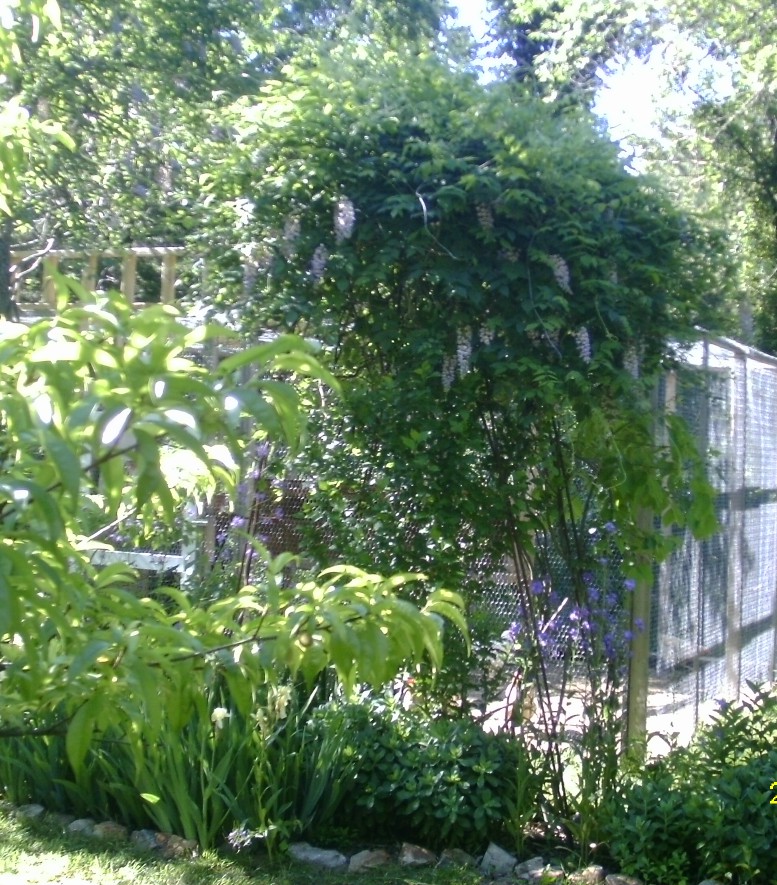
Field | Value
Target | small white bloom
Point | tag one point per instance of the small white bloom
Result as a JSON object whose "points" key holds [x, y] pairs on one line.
{"points": [[218, 716], [282, 699], [486, 335]]}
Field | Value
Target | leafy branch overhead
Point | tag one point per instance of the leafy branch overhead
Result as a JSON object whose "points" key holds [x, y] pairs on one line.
{"points": [[95, 404]]}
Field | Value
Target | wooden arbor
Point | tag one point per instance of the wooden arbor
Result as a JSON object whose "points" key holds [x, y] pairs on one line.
{"points": [[166, 256]]}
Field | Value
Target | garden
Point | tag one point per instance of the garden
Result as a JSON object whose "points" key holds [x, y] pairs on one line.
{"points": [[414, 345]]}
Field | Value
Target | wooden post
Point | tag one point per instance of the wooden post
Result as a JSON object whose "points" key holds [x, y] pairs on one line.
{"points": [[129, 276], [169, 261], [89, 275], [50, 266], [735, 482], [639, 664]]}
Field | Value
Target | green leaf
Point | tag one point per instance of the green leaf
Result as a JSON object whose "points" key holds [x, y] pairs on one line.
{"points": [[80, 732]]}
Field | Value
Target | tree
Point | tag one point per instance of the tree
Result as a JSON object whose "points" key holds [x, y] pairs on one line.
{"points": [[723, 59], [499, 294]]}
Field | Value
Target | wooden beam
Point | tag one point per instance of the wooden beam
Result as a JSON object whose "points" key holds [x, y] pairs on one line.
{"points": [[50, 267], [169, 261], [129, 276], [89, 274]]}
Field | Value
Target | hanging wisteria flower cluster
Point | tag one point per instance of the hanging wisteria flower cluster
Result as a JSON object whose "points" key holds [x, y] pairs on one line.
{"points": [[463, 349], [344, 219], [485, 216], [460, 362], [486, 335], [583, 342], [448, 372], [631, 361], [318, 263], [561, 272]]}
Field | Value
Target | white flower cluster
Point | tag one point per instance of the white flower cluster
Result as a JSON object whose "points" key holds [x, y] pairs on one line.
{"points": [[485, 216], [631, 361], [458, 363], [561, 272], [486, 335], [344, 219], [463, 349], [583, 341], [448, 372], [291, 231], [257, 258], [510, 253], [318, 263]]}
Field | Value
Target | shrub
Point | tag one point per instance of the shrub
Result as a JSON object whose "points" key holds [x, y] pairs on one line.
{"points": [[703, 811], [442, 781]]}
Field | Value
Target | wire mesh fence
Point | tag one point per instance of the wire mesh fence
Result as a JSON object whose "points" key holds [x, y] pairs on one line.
{"points": [[714, 611]]}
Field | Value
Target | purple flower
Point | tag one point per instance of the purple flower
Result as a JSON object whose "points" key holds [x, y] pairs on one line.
{"points": [[610, 528], [630, 584], [628, 635], [537, 587], [515, 630], [239, 522], [639, 624]]}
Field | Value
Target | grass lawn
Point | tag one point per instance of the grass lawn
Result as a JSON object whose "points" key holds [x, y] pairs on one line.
{"points": [[37, 853]]}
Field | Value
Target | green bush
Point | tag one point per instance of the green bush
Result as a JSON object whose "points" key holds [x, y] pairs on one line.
{"points": [[438, 781], [703, 811]]}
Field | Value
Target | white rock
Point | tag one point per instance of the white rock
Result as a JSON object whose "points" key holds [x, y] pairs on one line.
{"points": [[415, 856], [455, 857], [497, 862], [30, 812], [368, 860], [84, 825], [319, 857]]}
